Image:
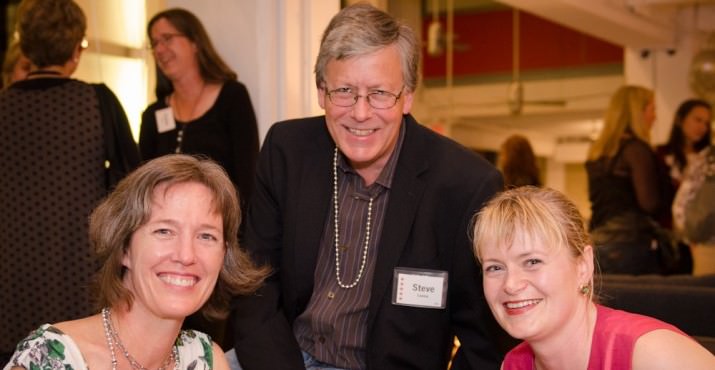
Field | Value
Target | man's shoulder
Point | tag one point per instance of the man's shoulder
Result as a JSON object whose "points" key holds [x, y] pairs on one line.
{"points": [[439, 142], [447, 154], [298, 133], [298, 126]]}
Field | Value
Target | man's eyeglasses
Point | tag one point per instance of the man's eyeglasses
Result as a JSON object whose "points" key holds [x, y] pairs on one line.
{"points": [[163, 39], [378, 99]]}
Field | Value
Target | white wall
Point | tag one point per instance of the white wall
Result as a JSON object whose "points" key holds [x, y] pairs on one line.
{"points": [[667, 75], [116, 56]]}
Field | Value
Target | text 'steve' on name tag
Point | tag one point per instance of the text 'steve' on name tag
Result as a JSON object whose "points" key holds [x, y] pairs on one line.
{"points": [[419, 287]]}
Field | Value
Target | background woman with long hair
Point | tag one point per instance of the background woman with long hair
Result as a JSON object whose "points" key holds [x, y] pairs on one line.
{"points": [[517, 162], [201, 108], [689, 134], [626, 187]]}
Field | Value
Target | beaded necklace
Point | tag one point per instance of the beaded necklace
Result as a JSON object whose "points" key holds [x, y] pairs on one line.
{"points": [[337, 230], [113, 339]]}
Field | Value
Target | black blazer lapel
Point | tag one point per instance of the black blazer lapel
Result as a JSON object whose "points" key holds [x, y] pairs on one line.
{"points": [[405, 194], [313, 207]]}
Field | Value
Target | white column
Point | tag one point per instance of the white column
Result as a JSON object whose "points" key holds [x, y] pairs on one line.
{"points": [[667, 75]]}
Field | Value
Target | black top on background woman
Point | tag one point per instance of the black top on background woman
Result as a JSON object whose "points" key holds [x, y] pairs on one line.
{"points": [[201, 108], [57, 135]]}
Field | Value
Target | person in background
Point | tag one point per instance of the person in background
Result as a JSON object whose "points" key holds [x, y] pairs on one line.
{"points": [[15, 66], [625, 185], [538, 272], [689, 134], [517, 162], [200, 107], [693, 211], [364, 213], [167, 242], [64, 144]]}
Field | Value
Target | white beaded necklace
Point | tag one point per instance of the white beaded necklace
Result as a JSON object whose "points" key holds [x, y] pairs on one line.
{"points": [[337, 230], [113, 338]]}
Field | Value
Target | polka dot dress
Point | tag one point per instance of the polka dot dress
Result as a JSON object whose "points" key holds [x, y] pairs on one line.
{"points": [[51, 177]]}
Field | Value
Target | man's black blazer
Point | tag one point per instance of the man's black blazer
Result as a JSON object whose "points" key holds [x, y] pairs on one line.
{"points": [[438, 187]]}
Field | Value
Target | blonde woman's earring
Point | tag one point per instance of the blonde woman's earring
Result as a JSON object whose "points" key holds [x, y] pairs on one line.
{"points": [[585, 289]]}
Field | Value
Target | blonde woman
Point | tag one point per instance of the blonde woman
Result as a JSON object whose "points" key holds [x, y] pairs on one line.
{"points": [[538, 273], [626, 188]]}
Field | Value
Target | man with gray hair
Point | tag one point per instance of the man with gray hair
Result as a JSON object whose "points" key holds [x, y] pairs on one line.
{"points": [[363, 215]]}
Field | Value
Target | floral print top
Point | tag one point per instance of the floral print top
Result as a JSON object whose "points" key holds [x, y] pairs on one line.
{"points": [[48, 348]]}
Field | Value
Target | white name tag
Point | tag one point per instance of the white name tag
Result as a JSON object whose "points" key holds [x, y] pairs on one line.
{"points": [[419, 288], [165, 120]]}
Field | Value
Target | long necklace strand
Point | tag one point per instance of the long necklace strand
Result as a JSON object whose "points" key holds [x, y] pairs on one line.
{"points": [[337, 230], [113, 338]]}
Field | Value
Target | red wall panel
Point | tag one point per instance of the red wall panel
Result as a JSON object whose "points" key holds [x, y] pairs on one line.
{"points": [[483, 46]]}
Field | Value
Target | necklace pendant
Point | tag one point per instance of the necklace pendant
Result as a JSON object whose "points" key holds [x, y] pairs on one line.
{"points": [[343, 248]]}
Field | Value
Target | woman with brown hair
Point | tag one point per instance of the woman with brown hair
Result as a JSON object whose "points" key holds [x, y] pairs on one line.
{"points": [[517, 162], [201, 108], [167, 242], [689, 134]]}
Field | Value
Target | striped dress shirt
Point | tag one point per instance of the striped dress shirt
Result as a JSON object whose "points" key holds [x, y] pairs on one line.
{"points": [[333, 328]]}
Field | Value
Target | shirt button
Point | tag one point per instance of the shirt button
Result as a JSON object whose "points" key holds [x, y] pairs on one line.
{"points": [[321, 339], [331, 295]]}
